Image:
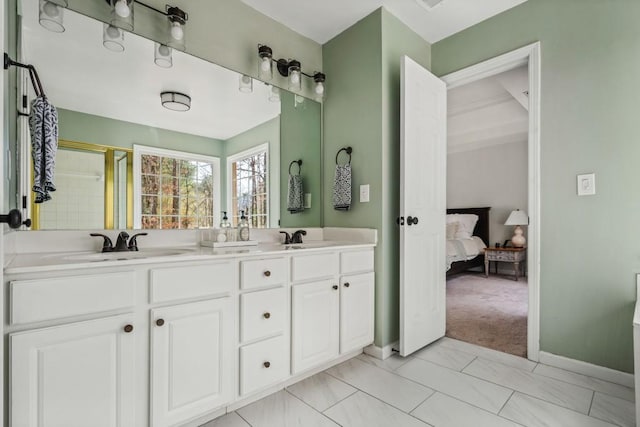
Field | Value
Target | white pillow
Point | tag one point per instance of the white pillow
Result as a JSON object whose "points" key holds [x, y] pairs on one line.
{"points": [[467, 223], [452, 229]]}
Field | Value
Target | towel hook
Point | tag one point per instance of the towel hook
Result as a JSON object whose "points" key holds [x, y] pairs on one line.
{"points": [[299, 162], [348, 150]]}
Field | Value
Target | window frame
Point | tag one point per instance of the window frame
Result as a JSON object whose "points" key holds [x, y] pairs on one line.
{"points": [[264, 147], [140, 150]]}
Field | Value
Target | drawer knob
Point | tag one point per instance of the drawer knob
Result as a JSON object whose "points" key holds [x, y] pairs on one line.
{"points": [[128, 328], [346, 285], [160, 322], [335, 287], [267, 273], [266, 364], [266, 315]]}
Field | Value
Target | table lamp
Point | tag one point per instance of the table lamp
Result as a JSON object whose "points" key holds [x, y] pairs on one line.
{"points": [[518, 218]]}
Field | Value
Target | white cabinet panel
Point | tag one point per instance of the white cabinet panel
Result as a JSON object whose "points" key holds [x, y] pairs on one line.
{"points": [[356, 311], [263, 272], [262, 313], [314, 325], [175, 283], [356, 261], [317, 266], [75, 375], [191, 360], [263, 363]]}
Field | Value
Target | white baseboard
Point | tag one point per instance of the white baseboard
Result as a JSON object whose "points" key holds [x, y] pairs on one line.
{"points": [[381, 352], [585, 368]]}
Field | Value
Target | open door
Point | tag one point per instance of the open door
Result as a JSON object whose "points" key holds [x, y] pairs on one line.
{"points": [[423, 156]]}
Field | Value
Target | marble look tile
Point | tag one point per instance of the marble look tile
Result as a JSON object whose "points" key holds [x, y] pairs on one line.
{"points": [[230, 420], [362, 410], [487, 353], [443, 411], [390, 364], [321, 391], [614, 410], [283, 409], [532, 412], [472, 390], [390, 388], [549, 389], [596, 384], [445, 356]]}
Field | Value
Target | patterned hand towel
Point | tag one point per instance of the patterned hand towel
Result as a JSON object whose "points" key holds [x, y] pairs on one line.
{"points": [[43, 123], [295, 196], [342, 188]]}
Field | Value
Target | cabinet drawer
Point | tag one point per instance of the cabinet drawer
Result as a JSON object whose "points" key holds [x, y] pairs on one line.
{"points": [[316, 266], [263, 272], [47, 299], [263, 363], [174, 283], [356, 261], [262, 313]]}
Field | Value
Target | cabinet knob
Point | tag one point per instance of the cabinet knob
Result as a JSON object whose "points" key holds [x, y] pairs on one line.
{"points": [[346, 285], [160, 322], [267, 315], [335, 287], [266, 364], [128, 328], [267, 273]]}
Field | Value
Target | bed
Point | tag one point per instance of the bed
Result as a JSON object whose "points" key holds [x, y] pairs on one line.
{"points": [[480, 233]]}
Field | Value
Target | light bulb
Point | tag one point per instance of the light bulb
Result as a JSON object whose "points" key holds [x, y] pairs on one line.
{"points": [[122, 9], [164, 50], [265, 65], [295, 77], [176, 31], [51, 9], [113, 32], [319, 88]]}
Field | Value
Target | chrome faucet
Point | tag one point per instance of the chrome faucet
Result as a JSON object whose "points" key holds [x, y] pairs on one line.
{"points": [[121, 242], [297, 236]]}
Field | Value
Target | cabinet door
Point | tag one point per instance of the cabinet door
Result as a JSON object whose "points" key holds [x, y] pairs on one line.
{"points": [[315, 324], [356, 311], [191, 360], [75, 375]]}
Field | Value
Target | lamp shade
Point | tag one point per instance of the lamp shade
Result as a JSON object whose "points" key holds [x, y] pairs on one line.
{"points": [[517, 217]]}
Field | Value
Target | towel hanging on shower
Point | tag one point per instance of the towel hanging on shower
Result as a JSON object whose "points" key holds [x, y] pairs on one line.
{"points": [[43, 124], [295, 190]]}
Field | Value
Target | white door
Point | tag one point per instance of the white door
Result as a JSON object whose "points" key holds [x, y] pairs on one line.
{"points": [[314, 323], [356, 311], [423, 153], [191, 360], [77, 375]]}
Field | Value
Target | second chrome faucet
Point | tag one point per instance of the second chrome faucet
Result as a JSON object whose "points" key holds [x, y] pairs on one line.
{"points": [[295, 238], [123, 243]]}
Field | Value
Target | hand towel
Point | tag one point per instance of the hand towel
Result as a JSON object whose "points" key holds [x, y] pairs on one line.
{"points": [[295, 196], [342, 188], [43, 124]]}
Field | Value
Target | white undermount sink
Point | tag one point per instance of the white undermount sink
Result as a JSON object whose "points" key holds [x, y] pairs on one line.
{"points": [[125, 255]]}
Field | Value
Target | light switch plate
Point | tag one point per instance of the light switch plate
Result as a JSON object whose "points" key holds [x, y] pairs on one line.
{"points": [[587, 184], [307, 200], [364, 193]]}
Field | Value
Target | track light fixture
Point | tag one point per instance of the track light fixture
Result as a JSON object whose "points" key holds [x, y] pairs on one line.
{"points": [[290, 68]]}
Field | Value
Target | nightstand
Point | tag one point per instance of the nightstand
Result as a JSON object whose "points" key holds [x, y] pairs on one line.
{"points": [[514, 255]]}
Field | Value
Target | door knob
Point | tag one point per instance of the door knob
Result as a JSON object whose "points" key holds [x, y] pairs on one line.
{"points": [[400, 220], [14, 219], [412, 220]]}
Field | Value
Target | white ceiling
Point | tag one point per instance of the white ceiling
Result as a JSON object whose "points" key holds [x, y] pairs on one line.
{"points": [[79, 74], [490, 111], [323, 20]]}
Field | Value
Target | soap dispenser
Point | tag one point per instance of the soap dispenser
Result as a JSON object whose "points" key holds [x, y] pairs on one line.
{"points": [[225, 221], [243, 227], [225, 226]]}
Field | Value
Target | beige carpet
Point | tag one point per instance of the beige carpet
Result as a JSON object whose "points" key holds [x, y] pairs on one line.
{"points": [[491, 312]]}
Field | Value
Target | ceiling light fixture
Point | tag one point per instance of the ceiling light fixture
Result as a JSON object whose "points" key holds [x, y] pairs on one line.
{"points": [[175, 101], [121, 14], [51, 15], [113, 38], [162, 55], [290, 68]]}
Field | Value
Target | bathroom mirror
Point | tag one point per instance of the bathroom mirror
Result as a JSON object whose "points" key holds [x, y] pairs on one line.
{"points": [[126, 161]]}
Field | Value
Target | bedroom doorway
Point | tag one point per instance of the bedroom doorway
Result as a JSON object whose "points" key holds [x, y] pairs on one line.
{"points": [[492, 184]]}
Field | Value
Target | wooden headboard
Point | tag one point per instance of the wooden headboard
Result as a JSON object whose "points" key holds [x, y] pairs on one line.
{"points": [[482, 226]]}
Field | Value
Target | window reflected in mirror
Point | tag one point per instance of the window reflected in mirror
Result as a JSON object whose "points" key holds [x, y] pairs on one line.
{"points": [[248, 187]]}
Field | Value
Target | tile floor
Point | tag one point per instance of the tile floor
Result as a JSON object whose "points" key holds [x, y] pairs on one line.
{"points": [[447, 384]]}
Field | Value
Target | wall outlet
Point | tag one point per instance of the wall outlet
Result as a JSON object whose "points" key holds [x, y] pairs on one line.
{"points": [[307, 200], [364, 193], [587, 184]]}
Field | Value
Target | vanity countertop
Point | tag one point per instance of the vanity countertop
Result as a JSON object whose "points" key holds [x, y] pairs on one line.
{"points": [[59, 261]]}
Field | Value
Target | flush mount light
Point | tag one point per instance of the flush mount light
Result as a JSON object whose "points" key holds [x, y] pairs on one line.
{"points": [[177, 19], [175, 101], [113, 38], [290, 68], [121, 14], [163, 56], [51, 15]]}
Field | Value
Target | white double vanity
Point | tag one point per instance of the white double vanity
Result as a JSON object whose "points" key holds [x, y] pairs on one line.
{"points": [[179, 339]]}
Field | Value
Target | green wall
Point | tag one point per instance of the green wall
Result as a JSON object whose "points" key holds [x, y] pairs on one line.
{"points": [[300, 138], [266, 132], [589, 123], [362, 110]]}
